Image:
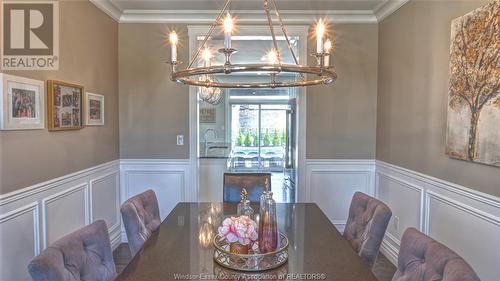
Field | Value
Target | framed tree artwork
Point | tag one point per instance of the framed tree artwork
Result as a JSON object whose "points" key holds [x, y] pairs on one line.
{"points": [[474, 96], [94, 110], [22, 103], [64, 106]]}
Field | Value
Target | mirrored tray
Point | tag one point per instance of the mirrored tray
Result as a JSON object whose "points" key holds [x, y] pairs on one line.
{"points": [[255, 261]]}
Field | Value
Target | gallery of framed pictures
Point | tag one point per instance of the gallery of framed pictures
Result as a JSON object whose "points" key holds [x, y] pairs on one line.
{"points": [[474, 95], [22, 103], [94, 109], [64, 106]]}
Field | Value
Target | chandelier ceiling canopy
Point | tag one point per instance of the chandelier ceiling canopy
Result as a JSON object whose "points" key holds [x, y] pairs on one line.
{"points": [[206, 76]]}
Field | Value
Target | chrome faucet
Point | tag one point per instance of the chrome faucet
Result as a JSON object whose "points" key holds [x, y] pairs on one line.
{"points": [[205, 139]]}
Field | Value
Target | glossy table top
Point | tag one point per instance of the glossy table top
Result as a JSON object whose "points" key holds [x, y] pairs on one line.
{"points": [[181, 248]]}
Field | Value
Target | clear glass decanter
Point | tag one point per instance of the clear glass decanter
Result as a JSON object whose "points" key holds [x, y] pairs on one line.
{"points": [[243, 208], [268, 225]]}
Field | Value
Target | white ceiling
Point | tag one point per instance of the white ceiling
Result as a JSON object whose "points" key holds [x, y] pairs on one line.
{"points": [[248, 11]]}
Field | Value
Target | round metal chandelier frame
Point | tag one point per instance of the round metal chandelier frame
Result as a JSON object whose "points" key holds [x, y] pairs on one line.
{"points": [[324, 76], [322, 73]]}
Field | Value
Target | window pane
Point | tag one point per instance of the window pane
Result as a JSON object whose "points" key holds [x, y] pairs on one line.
{"points": [[245, 135]]}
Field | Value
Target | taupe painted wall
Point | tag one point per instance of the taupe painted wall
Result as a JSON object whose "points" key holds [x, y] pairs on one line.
{"points": [[153, 109], [413, 93], [88, 56], [341, 119]]}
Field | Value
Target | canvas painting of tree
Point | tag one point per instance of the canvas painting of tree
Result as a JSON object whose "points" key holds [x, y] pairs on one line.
{"points": [[474, 96]]}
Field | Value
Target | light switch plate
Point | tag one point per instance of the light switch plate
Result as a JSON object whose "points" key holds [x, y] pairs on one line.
{"points": [[180, 139]]}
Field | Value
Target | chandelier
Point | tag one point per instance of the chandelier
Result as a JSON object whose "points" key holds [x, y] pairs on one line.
{"points": [[211, 95], [205, 76]]}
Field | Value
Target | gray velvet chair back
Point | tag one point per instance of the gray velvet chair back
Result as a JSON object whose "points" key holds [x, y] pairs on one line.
{"points": [[80, 256], [366, 226], [254, 183], [141, 216], [421, 258]]}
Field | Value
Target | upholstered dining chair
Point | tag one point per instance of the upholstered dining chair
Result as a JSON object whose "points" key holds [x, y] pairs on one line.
{"points": [[82, 255], [421, 258], [254, 183], [141, 216], [366, 226]]}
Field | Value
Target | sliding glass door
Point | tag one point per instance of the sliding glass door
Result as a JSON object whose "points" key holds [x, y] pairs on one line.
{"points": [[260, 136]]}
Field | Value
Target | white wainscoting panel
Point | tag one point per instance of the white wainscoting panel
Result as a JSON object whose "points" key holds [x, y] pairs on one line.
{"points": [[64, 212], [467, 230], [33, 217], [332, 183], [105, 202], [19, 234], [465, 220], [168, 178], [407, 212]]}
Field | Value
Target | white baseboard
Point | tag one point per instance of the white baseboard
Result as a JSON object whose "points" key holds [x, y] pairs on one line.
{"points": [[34, 217], [116, 237], [464, 219], [390, 248]]}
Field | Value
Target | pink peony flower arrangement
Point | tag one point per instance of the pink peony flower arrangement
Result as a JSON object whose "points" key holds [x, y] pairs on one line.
{"points": [[240, 229]]}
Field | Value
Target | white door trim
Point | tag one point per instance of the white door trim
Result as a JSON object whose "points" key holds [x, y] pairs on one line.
{"points": [[302, 32]]}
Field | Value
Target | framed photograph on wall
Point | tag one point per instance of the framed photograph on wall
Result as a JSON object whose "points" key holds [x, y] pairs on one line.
{"points": [[64, 106], [94, 110], [22, 103]]}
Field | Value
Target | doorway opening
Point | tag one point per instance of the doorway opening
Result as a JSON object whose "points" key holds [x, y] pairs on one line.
{"points": [[250, 130], [262, 133]]}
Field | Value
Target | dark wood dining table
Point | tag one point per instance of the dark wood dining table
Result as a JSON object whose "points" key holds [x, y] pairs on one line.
{"points": [[182, 249]]}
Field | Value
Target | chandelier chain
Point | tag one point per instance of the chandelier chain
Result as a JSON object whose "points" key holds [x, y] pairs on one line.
{"points": [[285, 33], [209, 34], [271, 27]]}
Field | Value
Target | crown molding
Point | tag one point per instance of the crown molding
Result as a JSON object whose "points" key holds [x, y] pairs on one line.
{"points": [[388, 7], [247, 16], [109, 8]]}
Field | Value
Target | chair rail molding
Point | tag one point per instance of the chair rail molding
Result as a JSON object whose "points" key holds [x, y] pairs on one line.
{"points": [[33, 217], [54, 183], [464, 219]]}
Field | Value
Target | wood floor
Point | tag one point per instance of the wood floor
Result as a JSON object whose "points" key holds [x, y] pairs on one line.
{"points": [[383, 269], [122, 256]]}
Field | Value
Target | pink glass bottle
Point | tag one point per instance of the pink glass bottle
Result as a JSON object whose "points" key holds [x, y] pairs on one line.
{"points": [[268, 225]]}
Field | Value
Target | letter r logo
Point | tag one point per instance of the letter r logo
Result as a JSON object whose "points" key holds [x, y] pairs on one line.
{"points": [[29, 35], [28, 29]]}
